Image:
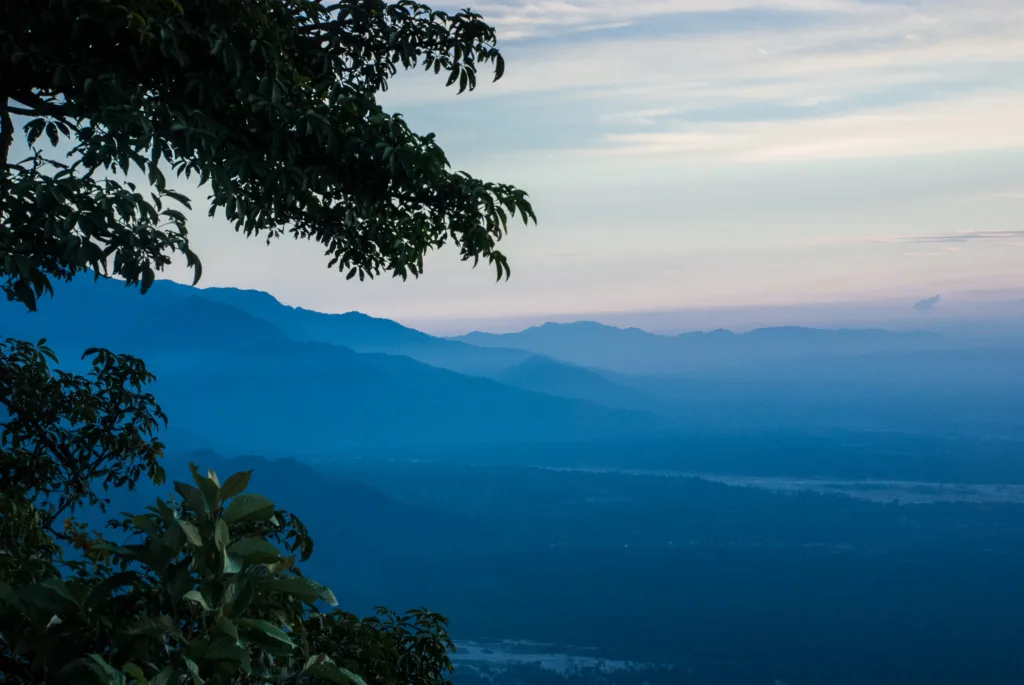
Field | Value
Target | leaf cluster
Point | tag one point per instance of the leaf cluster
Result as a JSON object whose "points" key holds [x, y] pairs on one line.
{"points": [[206, 589], [270, 105], [65, 436]]}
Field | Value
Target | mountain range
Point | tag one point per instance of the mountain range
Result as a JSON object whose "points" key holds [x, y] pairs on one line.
{"points": [[234, 381], [240, 372], [634, 351]]}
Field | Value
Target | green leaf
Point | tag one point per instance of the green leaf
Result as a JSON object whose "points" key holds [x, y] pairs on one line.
{"points": [[221, 535], [209, 488], [255, 550], [191, 533], [134, 672], [146, 625], [301, 588], [179, 581], [246, 508], [145, 524], [232, 655], [164, 677], [51, 595], [193, 671], [238, 597], [106, 672], [267, 634], [232, 563], [323, 666], [226, 626], [192, 495], [52, 134], [61, 588], [148, 277], [197, 597], [235, 485], [103, 590]]}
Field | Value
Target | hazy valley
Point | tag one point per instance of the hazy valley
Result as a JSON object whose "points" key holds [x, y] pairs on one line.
{"points": [[790, 505]]}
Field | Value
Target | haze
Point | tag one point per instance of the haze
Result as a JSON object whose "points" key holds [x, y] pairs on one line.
{"points": [[749, 411], [695, 154]]}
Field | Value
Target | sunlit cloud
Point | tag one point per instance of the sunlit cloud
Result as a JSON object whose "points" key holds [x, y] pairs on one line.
{"points": [[523, 19], [722, 151], [860, 76], [980, 123]]}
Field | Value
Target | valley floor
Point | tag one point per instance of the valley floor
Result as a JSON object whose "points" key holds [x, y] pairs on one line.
{"points": [[729, 580], [900, 491]]}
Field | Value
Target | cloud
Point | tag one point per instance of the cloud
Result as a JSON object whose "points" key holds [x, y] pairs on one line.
{"points": [[532, 18], [988, 122], [951, 242], [832, 58], [996, 195], [836, 79], [966, 237], [927, 305], [647, 117]]}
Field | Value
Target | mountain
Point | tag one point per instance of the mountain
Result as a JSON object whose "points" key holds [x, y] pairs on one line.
{"points": [[243, 384], [364, 333], [545, 375], [169, 319], [356, 527], [633, 351]]}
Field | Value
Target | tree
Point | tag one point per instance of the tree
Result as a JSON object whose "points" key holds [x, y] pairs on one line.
{"points": [[209, 593], [64, 435], [270, 108], [271, 105]]}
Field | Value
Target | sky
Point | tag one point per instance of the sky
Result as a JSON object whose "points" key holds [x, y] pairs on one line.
{"points": [[711, 155]]}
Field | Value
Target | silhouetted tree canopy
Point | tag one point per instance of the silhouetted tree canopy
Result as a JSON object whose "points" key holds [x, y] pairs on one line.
{"points": [[270, 108], [271, 105]]}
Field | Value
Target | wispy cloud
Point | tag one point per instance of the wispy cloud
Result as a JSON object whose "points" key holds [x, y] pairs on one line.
{"points": [[965, 237], [988, 122], [530, 18], [859, 79], [952, 242], [927, 304], [644, 117], [1005, 194]]}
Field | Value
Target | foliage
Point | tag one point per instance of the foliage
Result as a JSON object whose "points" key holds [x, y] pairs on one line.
{"points": [[204, 588], [63, 437], [209, 593], [66, 433], [389, 647], [270, 104]]}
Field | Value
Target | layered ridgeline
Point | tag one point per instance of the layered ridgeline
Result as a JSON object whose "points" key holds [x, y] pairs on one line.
{"points": [[635, 351], [245, 379], [240, 372], [791, 377]]}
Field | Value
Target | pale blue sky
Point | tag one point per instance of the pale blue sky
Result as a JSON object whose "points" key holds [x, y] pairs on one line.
{"points": [[709, 153]]}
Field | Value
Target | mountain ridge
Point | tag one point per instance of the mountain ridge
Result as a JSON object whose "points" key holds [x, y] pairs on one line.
{"points": [[244, 385], [635, 351]]}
